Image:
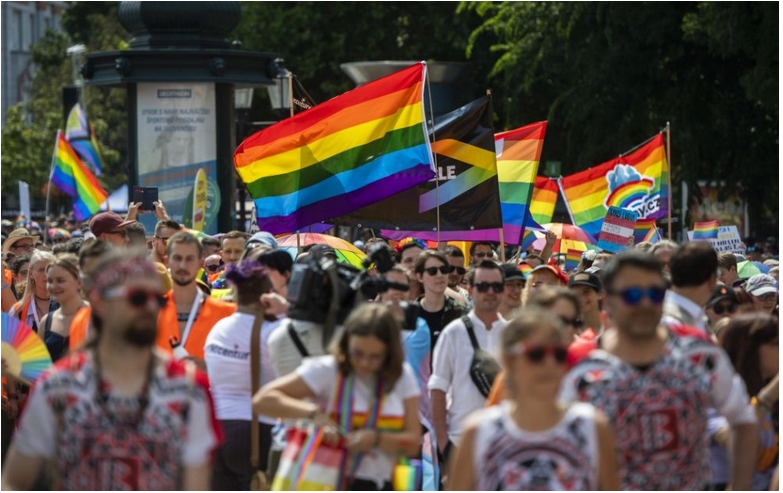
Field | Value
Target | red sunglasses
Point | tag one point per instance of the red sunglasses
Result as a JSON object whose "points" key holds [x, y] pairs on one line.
{"points": [[537, 353]]}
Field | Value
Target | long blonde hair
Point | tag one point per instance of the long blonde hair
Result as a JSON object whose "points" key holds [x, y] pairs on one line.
{"points": [[29, 289]]}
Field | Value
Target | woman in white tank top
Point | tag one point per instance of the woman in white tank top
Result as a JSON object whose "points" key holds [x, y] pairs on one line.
{"points": [[529, 441]]}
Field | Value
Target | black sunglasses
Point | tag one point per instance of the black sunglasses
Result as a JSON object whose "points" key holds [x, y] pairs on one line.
{"points": [[482, 255], [443, 269], [484, 287], [634, 296], [140, 297], [719, 309], [460, 270], [213, 267], [536, 354], [573, 322]]}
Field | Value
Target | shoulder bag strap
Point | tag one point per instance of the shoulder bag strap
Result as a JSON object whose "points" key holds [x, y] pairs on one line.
{"points": [[297, 341], [469, 326], [255, 370]]}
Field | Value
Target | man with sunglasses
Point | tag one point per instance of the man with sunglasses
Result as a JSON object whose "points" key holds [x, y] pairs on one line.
{"points": [[456, 259], [656, 384], [454, 352], [164, 229], [117, 415], [723, 304], [481, 250], [694, 273], [110, 227]]}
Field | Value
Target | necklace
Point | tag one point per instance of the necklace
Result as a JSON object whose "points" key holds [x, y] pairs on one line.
{"points": [[42, 299], [143, 398]]}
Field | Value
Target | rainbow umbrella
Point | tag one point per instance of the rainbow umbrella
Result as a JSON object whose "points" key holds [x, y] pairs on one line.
{"points": [[346, 253], [749, 268], [569, 237], [54, 231], [196, 233]]}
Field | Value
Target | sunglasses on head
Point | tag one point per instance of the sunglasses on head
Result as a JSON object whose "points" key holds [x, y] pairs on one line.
{"points": [[719, 308], [136, 298], [537, 353], [634, 296], [443, 269], [483, 287]]}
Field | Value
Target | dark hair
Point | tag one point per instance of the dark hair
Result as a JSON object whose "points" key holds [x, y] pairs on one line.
{"points": [[629, 258], [185, 238], [480, 243], [167, 223], [727, 260], [453, 251], [251, 280], [71, 246], [400, 270], [96, 249], [137, 234], [741, 341], [485, 264], [407, 246], [209, 241], [18, 262], [278, 260], [421, 260], [693, 264], [376, 320]]}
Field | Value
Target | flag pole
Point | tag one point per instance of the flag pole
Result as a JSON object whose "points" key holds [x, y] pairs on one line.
{"points": [[565, 200], [437, 170], [291, 113], [49, 185], [669, 174]]}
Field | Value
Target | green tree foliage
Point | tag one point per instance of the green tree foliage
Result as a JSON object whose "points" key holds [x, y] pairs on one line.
{"points": [[609, 75], [28, 135]]}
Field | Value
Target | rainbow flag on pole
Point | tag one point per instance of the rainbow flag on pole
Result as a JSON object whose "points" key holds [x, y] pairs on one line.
{"points": [[71, 176], [573, 257], [347, 153], [706, 230], [542, 207], [637, 181], [644, 230]]}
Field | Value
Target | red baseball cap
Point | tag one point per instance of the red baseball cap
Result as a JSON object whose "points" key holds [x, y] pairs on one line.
{"points": [[106, 222]]}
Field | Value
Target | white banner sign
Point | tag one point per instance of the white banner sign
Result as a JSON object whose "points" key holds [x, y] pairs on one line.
{"points": [[728, 240]]}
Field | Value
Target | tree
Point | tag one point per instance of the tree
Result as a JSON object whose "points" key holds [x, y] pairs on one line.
{"points": [[609, 75]]}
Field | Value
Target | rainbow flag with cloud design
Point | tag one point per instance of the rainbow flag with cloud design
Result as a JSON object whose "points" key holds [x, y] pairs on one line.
{"points": [[637, 181]]}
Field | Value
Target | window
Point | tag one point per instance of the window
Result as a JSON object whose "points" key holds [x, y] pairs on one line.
{"points": [[31, 36], [17, 36]]}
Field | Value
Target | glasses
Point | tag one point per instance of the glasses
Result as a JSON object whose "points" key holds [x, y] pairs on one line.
{"points": [[483, 287], [137, 298], [459, 270], [443, 269], [27, 247], [214, 267], [767, 297], [482, 255], [720, 308], [162, 239], [536, 354], [634, 296], [571, 322]]}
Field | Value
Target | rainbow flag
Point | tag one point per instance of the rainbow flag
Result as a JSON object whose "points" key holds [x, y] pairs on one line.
{"points": [[637, 181], [525, 269], [706, 230], [71, 176], [645, 230], [573, 257], [407, 475], [542, 207], [347, 153], [82, 137]]}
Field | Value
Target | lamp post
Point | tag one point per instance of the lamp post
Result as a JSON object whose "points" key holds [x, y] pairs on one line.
{"points": [[280, 93]]}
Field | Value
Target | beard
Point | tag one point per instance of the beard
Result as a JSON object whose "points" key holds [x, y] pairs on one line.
{"points": [[182, 279], [142, 332]]}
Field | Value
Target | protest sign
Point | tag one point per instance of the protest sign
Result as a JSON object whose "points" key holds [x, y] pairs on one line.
{"points": [[728, 240], [617, 229]]}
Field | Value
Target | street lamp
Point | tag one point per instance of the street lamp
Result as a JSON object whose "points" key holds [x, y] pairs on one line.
{"points": [[243, 98], [280, 93]]}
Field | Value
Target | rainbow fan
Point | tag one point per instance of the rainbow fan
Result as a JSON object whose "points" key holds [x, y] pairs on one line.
{"points": [[25, 356]]}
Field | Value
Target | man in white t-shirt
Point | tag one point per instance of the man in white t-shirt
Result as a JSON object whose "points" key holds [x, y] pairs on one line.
{"points": [[454, 351]]}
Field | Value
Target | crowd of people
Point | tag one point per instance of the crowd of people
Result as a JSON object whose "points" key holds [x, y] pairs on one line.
{"points": [[181, 363]]}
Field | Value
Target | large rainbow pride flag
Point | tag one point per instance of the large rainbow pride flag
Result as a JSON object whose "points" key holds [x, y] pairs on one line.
{"points": [[71, 176], [349, 152], [636, 181]]}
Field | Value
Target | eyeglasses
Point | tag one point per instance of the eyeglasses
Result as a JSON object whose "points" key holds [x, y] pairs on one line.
{"points": [[482, 255], [162, 239], [572, 322], [634, 296], [443, 269], [459, 270], [767, 297], [483, 287], [214, 267], [137, 298], [720, 308], [515, 285], [536, 354], [27, 247]]}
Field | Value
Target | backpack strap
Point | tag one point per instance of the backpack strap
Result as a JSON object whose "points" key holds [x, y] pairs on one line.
{"points": [[255, 383], [471, 333], [297, 341]]}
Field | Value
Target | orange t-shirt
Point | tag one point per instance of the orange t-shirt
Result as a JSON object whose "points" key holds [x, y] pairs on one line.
{"points": [[79, 326], [168, 326]]}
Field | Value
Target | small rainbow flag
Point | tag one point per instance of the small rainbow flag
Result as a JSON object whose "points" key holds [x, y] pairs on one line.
{"points": [[542, 206], [525, 269], [71, 176], [342, 155], [528, 238], [573, 257], [82, 137], [642, 229], [706, 230]]}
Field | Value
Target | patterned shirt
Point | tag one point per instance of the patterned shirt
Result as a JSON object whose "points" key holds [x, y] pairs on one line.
{"points": [[659, 413], [112, 446]]}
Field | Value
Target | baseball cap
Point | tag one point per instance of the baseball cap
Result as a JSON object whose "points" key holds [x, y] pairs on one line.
{"points": [[761, 284], [554, 270], [586, 279], [512, 273], [262, 237], [723, 293], [106, 222]]}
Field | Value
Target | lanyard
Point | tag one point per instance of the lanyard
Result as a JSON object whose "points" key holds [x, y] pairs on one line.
{"points": [[192, 317]]}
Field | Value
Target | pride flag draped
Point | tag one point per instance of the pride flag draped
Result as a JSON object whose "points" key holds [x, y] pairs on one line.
{"points": [[706, 230], [542, 207], [71, 176], [349, 152], [80, 134], [636, 181]]}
